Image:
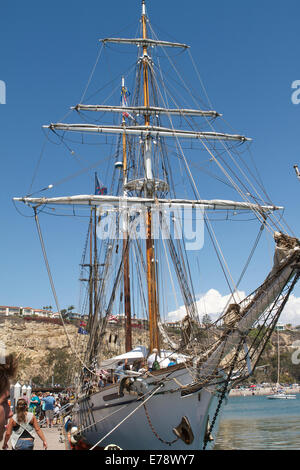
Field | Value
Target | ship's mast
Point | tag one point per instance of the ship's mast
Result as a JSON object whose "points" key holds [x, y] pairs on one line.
{"points": [[151, 274], [148, 188], [127, 303], [96, 279], [91, 287]]}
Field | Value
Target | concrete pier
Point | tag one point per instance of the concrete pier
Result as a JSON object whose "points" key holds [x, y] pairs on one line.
{"points": [[54, 437]]}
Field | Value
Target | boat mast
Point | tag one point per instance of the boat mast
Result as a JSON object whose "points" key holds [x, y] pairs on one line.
{"points": [[127, 303], [278, 359], [151, 275], [95, 268], [91, 287]]}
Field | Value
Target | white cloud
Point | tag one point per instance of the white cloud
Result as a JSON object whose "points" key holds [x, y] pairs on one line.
{"points": [[291, 312], [213, 303]]}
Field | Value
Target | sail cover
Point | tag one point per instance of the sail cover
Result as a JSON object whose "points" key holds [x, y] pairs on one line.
{"points": [[140, 352]]}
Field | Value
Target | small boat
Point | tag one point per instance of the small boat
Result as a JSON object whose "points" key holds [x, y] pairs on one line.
{"points": [[281, 396]]}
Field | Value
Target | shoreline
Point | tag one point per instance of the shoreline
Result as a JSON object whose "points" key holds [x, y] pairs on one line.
{"points": [[261, 391]]}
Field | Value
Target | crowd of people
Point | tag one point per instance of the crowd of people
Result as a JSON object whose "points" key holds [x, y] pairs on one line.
{"points": [[30, 414], [46, 407], [43, 409]]}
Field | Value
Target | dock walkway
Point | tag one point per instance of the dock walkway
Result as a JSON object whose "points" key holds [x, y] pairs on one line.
{"points": [[54, 437]]}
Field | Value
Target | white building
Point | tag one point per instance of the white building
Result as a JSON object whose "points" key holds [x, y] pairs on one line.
{"points": [[9, 311]]}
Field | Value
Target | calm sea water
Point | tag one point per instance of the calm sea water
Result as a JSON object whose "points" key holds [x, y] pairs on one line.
{"points": [[256, 423]]}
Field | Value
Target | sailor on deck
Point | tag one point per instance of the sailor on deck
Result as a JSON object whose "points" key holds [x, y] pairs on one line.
{"points": [[153, 358]]}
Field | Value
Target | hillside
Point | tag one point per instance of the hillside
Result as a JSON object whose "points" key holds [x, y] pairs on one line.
{"points": [[43, 351]]}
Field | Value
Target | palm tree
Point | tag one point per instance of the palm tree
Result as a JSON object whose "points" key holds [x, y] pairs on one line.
{"points": [[48, 307], [64, 313]]}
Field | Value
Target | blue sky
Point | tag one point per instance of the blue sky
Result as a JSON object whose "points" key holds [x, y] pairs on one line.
{"points": [[247, 53]]}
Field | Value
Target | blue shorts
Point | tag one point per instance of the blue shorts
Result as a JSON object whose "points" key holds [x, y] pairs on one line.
{"points": [[24, 444]]}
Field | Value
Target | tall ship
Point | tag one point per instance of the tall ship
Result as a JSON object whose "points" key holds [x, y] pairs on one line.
{"points": [[157, 368]]}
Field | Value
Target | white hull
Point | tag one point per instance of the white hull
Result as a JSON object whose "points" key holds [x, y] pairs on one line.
{"points": [[98, 416], [281, 396]]}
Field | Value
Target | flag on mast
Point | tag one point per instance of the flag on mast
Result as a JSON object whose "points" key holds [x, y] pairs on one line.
{"points": [[124, 95], [100, 190]]}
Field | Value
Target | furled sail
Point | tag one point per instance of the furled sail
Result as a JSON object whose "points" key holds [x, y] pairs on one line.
{"points": [[152, 110], [91, 200], [145, 131], [144, 42]]}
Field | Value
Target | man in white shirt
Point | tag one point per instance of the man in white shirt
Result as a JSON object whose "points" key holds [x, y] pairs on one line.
{"points": [[153, 358]]}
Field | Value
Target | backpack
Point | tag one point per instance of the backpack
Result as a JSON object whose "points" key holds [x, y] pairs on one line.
{"points": [[155, 365]]}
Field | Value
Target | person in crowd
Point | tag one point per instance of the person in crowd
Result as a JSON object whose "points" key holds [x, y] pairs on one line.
{"points": [[153, 360], [22, 429], [41, 407], [100, 382], [25, 397], [57, 408], [49, 402], [8, 371], [136, 365], [34, 402], [172, 362], [143, 367], [119, 371], [103, 378]]}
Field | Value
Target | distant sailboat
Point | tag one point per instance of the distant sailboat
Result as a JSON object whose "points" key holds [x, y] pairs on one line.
{"points": [[280, 394]]}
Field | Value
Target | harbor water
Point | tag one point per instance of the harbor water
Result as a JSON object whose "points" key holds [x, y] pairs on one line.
{"points": [[257, 423]]}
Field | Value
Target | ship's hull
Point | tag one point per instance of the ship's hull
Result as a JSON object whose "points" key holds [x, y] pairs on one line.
{"points": [[105, 418]]}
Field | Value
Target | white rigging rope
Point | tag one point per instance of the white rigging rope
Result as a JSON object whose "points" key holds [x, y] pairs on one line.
{"points": [[258, 215], [128, 416], [218, 163], [92, 73], [225, 147], [54, 291]]}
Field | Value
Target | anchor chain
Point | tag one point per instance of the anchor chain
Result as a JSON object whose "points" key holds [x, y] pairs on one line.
{"points": [[169, 443], [224, 391]]}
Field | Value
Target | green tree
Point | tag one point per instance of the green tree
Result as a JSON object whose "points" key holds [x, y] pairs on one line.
{"points": [[206, 320], [60, 364], [64, 313]]}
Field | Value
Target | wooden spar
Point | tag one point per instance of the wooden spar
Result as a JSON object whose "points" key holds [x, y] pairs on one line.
{"points": [[145, 71], [95, 266], [91, 268], [150, 254], [127, 302]]}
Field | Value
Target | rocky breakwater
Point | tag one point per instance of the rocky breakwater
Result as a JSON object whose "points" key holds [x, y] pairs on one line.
{"points": [[40, 346]]}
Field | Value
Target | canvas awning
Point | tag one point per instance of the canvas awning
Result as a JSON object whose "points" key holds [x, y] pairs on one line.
{"points": [[140, 352]]}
